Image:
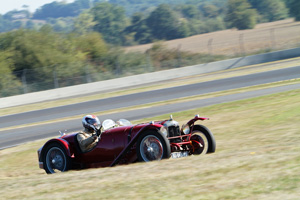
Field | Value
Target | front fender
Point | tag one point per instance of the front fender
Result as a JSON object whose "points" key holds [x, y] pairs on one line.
{"points": [[196, 118], [59, 141]]}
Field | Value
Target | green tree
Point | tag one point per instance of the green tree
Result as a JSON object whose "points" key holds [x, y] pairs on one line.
{"points": [[164, 23], [139, 29], [92, 45], [294, 6], [84, 23], [143, 34], [270, 10], [240, 15], [9, 85], [183, 29], [46, 28], [60, 25], [210, 10], [190, 11], [42, 52], [110, 22]]}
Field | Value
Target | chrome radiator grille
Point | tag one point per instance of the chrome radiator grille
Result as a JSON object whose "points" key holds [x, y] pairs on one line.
{"points": [[172, 132]]}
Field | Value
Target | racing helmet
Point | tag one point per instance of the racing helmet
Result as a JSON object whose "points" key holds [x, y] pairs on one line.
{"points": [[91, 123]]}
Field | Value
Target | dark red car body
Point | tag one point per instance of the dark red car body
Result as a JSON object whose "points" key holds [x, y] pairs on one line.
{"points": [[118, 145]]}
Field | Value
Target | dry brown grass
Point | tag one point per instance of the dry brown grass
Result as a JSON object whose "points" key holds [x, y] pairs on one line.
{"points": [[257, 158], [273, 35]]}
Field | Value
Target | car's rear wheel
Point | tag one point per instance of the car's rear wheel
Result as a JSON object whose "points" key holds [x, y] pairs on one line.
{"points": [[152, 145], [55, 159]]}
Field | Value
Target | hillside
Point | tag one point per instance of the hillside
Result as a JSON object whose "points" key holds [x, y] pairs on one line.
{"points": [[273, 35]]}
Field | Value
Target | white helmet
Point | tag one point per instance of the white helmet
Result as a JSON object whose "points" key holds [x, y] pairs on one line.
{"points": [[91, 123]]}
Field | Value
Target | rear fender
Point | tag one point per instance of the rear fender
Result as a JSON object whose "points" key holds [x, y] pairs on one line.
{"points": [[149, 126], [134, 140]]}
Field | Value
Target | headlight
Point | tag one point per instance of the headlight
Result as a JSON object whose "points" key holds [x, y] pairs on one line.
{"points": [[164, 131], [186, 129]]}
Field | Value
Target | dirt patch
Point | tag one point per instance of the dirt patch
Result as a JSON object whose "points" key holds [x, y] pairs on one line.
{"points": [[273, 35]]}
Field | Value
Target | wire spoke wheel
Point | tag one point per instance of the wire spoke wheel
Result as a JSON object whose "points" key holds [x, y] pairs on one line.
{"points": [[151, 148], [152, 145], [200, 137], [56, 160]]}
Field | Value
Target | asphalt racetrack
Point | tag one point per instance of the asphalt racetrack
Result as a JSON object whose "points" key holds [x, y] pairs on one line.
{"points": [[17, 136]]}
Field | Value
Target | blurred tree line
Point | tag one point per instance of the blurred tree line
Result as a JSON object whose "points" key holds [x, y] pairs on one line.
{"points": [[131, 22], [64, 44], [35, 60]]}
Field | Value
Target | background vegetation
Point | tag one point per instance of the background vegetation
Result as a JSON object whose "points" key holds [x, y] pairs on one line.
{"points": [[125, 22], [63, 44]]}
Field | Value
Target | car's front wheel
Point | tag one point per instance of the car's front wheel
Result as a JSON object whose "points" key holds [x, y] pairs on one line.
{"points": [[203, 140], [199, 142], [152, 145], [55, 159]]}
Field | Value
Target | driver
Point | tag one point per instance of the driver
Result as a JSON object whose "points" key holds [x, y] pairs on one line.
{"points": [[89, 137]]}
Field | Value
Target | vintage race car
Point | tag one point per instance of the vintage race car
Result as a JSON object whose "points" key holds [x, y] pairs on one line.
{"points": [[124, 143]]}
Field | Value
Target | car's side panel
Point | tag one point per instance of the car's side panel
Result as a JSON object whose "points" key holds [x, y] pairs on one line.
{"points": [[111, 143], [136, 131]]}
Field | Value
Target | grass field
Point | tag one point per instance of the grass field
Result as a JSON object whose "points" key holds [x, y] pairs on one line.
{"points": [[257, 157], [273, 35]]}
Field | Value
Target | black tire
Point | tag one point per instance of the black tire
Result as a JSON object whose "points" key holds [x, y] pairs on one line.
{"points": [[152, 145], [55, 159], [202, 135]]}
